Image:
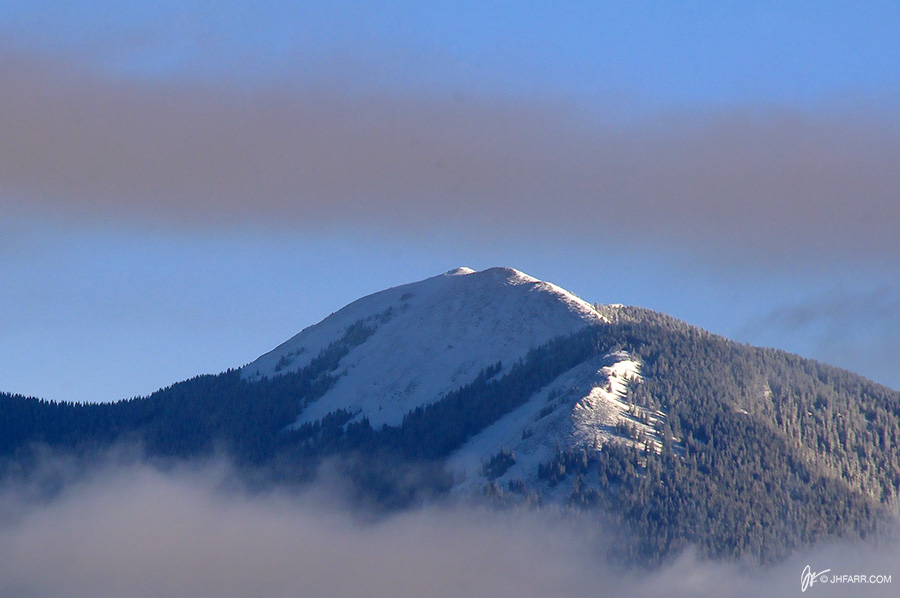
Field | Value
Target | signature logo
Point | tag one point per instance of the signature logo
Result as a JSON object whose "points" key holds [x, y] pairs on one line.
{"points": [[808, 578]]}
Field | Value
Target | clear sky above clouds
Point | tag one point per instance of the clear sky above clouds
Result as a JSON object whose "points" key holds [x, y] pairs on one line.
{"points": [[184, 185]]}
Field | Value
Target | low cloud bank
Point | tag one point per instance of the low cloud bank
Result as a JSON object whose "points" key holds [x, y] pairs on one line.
{"points": [[135, 531]]}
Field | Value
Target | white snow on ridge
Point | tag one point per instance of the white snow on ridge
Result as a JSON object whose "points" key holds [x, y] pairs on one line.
{"points": [[604, 406], [533, 431], [581, 408], [431, 337]]}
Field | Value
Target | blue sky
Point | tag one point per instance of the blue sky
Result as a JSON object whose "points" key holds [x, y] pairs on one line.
{"points": [[184, 185]]}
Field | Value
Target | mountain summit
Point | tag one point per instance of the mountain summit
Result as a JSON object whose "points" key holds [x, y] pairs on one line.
{"points": [[495, 385], [427, 338]]}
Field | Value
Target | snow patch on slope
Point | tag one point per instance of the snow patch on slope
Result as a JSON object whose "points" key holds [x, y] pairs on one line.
{"points": [[605, 408], [585, 407]]}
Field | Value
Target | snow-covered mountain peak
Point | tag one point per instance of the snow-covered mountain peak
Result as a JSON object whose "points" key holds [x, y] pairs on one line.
{"points": [[427, 338], [462, 271]]}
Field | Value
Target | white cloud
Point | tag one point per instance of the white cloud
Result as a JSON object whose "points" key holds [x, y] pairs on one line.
{"points": [[131, 530]]}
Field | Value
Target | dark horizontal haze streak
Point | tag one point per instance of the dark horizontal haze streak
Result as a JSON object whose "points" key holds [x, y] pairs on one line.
{"points": [[767, 181]]}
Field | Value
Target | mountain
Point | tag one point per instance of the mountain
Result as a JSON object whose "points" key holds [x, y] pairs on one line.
{"points": [[427, 338], [496, 386]]}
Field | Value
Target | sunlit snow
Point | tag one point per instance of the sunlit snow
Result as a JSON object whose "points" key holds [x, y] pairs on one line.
{"points": [[431, 337]]}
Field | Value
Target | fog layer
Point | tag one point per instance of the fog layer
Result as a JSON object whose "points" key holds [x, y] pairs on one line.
{"points": [[134, 531]]}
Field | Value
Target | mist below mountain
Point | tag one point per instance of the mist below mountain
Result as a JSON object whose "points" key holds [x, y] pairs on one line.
{"points": [[130, 529]]}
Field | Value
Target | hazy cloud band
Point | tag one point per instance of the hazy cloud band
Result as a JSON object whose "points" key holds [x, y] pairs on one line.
{"points": [[765, 181], [133, 531]]}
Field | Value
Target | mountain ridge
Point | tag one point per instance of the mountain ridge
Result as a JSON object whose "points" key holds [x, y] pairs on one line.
{"points": [[683, 437]]}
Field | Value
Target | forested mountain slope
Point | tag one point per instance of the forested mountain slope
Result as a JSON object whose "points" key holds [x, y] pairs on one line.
{"points": [[497, 385]]}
